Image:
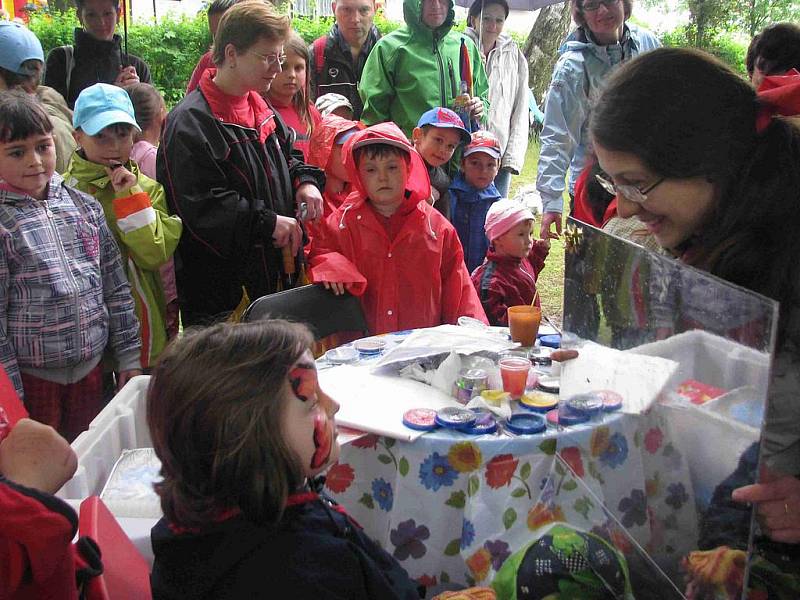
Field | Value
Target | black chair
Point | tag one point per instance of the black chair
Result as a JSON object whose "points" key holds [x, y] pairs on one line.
{"points": [[323, 311]]}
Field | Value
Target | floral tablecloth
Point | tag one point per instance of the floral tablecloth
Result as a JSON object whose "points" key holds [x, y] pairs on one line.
{"points": [[453, 508]]}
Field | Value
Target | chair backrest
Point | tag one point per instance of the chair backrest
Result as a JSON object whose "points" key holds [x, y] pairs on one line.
{"points": [[126, 573], [323, 311]]}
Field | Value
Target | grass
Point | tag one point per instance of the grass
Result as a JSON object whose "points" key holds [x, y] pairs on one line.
{"points": [[551, 280]]}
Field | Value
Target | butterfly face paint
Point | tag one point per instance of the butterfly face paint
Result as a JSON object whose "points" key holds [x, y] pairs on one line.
{"points": [[308, 421]]}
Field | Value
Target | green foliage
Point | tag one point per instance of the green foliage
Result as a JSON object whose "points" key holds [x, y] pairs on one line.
{"points": [[724, 45]]}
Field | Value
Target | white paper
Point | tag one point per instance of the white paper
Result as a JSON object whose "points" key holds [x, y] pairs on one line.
{"points": [[376, 403], [639, 379]]}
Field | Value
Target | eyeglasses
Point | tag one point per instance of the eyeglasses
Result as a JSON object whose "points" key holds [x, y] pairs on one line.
{"points": [[270, 59], [593, 5], [631, 192]]}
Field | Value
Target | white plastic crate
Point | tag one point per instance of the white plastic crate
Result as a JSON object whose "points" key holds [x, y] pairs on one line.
{"points": [[121, 425]]}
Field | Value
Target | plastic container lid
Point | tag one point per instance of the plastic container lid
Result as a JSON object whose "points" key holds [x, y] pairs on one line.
{"points": [[568, 416], [525, 424], [549, 384], [611, 400], [540, 402], [589, 404], [551, 341], [342, 355], [421, 419], [455, 418], [484, 423], [370, 345]]}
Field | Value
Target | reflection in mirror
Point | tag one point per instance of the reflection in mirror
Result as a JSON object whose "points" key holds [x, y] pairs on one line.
{"points": [[698, 440]]}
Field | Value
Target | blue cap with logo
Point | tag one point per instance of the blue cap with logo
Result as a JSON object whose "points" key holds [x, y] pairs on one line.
{"points": [[17, 45], [102, 105], [446, 118]]}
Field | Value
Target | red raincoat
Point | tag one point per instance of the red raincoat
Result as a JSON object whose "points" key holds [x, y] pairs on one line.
{"points": [[583, 210], [416, 279]]}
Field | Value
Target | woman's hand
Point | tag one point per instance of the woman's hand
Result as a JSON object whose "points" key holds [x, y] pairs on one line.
{"points": [[36, 456], [127, 76], [336, 287], [124, 376], [309, 194], [778, 507], [474, 108], [121, 179], [287, 233]]}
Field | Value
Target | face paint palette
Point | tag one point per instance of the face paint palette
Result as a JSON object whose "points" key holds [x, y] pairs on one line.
{"points": [[565, 417], [455, 418], [525, 424], [370, 346], [589, 404], [551, 341], [551, 385], [485, 423], [420, 419], [611, 400], [342, 355], [540, 402]]}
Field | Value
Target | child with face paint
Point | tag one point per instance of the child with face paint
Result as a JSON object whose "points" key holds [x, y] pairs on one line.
{"points": [[241, 427]]}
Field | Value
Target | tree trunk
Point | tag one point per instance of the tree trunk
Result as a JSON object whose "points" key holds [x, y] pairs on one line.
{"points": [[541, 47]]}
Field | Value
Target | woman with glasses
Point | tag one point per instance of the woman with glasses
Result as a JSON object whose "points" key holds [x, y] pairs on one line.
{"points": [[602, 42], [507, 71], [229, 171], [713, 171]]}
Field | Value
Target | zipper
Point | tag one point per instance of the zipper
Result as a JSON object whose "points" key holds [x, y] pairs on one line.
{"points": [[71, 276], [442, 89]]}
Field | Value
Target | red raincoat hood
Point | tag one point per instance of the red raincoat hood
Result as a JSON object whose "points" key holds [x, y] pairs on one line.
{"points": [[418, 186], [320, 145]]}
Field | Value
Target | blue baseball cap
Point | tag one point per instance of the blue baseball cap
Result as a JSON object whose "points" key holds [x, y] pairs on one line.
{"points": [[447, 119], [17, 45], [101, 105]]}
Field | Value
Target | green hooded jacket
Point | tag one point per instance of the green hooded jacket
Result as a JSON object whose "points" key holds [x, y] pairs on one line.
{"points": [[147, 236], [415, 68]]}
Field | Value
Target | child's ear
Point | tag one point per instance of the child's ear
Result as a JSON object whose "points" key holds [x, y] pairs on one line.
{"points": [[77, 135], [416, 134]]}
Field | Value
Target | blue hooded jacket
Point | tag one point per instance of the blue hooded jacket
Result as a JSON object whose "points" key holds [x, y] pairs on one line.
{"points": [[468, 208]]}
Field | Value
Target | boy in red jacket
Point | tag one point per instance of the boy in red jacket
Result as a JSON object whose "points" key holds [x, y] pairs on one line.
{"points": [[513, 262], [386, 244]]}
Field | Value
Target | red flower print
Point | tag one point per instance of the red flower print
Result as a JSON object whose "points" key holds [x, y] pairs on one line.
{"points": [[653, 439], [479, 564], [500, 470], [339, 478], [368, 441], [572, 456]]}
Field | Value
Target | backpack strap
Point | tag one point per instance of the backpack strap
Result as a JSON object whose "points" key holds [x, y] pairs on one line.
{"points": [[69, 64], [319, 54]]}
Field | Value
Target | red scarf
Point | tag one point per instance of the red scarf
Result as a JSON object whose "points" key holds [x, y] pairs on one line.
{"points": [[250, 110], [779, 95]]}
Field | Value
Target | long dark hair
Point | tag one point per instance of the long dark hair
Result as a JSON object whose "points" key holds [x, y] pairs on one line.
{"points": [[685, 114], [214, 409]]}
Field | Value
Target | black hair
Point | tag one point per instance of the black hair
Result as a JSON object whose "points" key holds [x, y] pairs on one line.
{"points": [[685, 114], [597, 197], [477, 6], [79, 4], [21, 116], [378, 151], [750, 59], [775, 50], [217, 7], [147, 103]]}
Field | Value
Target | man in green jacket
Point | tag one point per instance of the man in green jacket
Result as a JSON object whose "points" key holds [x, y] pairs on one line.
{"points": [[417, 67]]}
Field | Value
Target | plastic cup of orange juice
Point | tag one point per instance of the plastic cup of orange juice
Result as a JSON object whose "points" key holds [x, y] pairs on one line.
{"points": [[514, 373], [523, 322]]}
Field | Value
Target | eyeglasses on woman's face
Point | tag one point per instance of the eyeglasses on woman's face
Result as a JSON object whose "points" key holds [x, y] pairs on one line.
{"points": [[593, 5], [630, 192], [270, 60]]}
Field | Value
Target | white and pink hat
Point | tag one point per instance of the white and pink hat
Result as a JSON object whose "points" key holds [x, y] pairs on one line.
{"points": [[503, 215]]}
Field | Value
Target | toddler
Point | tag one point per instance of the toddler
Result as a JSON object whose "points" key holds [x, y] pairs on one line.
{"points": [[64, 296], [133, 203], [437, 135], [387, 245], [326, 153], [334, 104], [241, 426], [513, 262], [289, 93], [473, 192]]}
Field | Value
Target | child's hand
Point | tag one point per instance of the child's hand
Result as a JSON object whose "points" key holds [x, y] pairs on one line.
{"points": [[127, 76], [309, 194], [124, 376], [287, 233], [36, 456], [121, 179], [336, 287]]}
